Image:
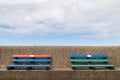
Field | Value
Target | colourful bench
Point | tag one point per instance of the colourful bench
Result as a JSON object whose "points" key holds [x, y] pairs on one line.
{"points": [[77, 59], [43, 61]]}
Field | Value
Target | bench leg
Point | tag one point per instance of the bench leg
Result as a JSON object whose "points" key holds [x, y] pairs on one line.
{"points": [[92, 68], [113, 68], [32, 62], [28, 68], [8, 68], [110, 68], [47, 68], [74, 68], [15, 62]]}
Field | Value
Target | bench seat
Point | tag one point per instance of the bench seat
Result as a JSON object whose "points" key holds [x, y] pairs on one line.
{"points": [[93, 66], [31, 60], [9, 67], [89, 60]]}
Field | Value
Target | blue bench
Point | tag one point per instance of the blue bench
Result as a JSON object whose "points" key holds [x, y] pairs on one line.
{"points": [[9, 67], [31, 60], [83, 56], [99, 56]]}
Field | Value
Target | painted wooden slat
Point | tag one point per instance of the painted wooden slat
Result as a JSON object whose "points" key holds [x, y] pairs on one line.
{"points": [[31, 60], [96, 56], [89, 60], [30, 56], [9, 67], [84, 56], [93, 66]]}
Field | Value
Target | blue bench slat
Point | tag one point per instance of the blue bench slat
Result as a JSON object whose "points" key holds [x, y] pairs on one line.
{"points": [[104, 56], [27, 66], [31, 60], [78, 56], [93, 56]]}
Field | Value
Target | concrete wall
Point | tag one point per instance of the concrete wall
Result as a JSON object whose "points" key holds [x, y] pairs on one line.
{"points": [[60, 66], [60, 55], [59, 75]]}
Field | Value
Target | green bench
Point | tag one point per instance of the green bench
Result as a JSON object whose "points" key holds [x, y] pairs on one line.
{"points": [[89, 60], [93, 66]]}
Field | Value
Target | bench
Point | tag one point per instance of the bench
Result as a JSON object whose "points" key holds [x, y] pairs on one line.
{"points": [[31, 56], [43, 61], [9, 67], [93, 66], [77, 59], [31, 60]]}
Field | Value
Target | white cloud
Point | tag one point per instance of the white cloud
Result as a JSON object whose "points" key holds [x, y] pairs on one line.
{"points": [[101, 18], [21, 1]]}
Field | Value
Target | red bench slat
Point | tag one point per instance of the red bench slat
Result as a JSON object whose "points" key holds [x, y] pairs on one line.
{"points": [[21, 56], [29, 56], [42, 56]]}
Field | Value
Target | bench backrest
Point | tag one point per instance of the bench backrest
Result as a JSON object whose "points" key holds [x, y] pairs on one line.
{"points": [[31, 56], [83, 56], [99, 56], [92, 56]]}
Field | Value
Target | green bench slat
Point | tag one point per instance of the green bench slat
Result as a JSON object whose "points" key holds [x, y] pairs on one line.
{"points": [[93, 66], [89, 60]]}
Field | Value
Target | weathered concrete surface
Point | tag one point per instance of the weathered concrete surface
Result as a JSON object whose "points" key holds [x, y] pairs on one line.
{"points": [[60, 66], [59, 75]]}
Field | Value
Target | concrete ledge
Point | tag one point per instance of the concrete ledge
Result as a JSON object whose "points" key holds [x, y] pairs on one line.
{"points": [[59, 75]]}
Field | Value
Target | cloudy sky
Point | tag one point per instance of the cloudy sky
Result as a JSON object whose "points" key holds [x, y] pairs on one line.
{"points": [[60, 22]]}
